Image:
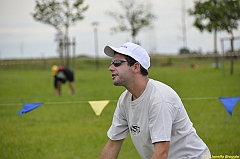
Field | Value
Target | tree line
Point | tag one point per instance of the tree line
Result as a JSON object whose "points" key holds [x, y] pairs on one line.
{"points": [[210, 15]]}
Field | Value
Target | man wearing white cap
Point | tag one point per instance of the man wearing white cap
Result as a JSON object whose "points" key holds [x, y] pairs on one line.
{"points": [[151, 111]]}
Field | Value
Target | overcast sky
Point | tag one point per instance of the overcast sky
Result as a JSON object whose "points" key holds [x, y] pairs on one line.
{"points": [[22, 37]]}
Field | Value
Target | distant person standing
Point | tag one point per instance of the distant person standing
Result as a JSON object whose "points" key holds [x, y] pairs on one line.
{"points": [[61, 75]]}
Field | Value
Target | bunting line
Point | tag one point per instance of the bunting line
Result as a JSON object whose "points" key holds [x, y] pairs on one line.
{"points": [[98, 106], [111, 101], [51, 103]]}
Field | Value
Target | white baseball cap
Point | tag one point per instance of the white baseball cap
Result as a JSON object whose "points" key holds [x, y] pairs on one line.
{"points": [[133, 50]]}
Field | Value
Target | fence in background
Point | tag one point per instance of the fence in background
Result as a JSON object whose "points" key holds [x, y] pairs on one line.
{"points": [[181, 61]]}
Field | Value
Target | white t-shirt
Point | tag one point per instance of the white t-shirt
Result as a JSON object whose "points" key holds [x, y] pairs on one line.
{"points": [[157, 115]]}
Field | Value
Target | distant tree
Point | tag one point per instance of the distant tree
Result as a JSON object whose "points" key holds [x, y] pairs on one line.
{"points": [[207, 18], [60, 15], [183, 51], [230, 13], [136, 15], [217, 15]]}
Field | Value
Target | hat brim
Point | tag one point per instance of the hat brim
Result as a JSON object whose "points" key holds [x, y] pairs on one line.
{"points": [[110, 51]]}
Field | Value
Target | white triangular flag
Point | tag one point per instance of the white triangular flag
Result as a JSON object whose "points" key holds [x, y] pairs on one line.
{"points": [[98, 106]]}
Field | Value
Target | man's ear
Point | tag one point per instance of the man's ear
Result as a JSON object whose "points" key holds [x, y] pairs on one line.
{"points": [[136, 67]]}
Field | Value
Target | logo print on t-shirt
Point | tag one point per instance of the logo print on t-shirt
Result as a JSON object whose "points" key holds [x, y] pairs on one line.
{"points": [[135, 129]]}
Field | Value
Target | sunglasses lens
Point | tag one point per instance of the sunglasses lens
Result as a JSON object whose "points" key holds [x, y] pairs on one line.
{"points": [[117, 63]]}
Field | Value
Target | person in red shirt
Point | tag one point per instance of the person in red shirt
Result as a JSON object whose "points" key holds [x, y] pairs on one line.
{"points": [[61, 75]]}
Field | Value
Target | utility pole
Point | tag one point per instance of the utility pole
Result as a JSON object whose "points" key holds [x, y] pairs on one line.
{"points": [[22, 53], [95, 25], [74, 54], [184, 36]]}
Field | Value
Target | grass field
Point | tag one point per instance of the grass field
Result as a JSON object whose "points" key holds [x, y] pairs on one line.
{"points": [[66, 127]]}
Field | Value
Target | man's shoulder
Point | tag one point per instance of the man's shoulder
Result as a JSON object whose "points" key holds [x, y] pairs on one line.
{"points": [[124, 94], [159, 85], [163, 91]]}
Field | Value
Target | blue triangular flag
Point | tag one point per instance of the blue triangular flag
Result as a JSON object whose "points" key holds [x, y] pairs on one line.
{"points": [[27, 107], [229, 103]]}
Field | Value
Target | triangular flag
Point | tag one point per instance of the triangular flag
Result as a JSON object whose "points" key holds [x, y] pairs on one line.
{"points": [[98, 106], [27, 107], [229, 103]]}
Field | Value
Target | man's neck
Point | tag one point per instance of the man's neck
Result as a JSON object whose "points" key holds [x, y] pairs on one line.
{"points": [[138, 87]]}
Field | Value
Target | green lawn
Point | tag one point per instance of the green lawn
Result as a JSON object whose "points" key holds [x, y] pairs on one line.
{"points": [[66, 127]]}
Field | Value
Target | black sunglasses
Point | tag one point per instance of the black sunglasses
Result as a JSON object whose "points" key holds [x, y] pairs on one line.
{"points": [[117, 63]]}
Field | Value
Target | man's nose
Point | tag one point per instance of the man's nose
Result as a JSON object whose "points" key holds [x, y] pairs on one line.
{"points": [[111, 67]]}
